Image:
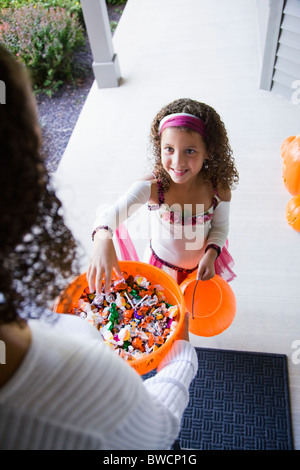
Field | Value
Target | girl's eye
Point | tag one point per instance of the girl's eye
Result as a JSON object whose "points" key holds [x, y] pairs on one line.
{"points": [[168, 149], [190, 151]]}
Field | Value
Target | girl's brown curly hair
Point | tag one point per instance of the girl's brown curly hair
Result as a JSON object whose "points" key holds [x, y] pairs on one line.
{"points": [[38, 252], [219, 167]]}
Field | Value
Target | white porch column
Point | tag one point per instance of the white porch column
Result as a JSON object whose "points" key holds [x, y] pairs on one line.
{"points": [[105, 65]]}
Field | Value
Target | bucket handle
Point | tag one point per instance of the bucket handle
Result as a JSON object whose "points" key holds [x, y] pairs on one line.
{"points": [[194, 298]]}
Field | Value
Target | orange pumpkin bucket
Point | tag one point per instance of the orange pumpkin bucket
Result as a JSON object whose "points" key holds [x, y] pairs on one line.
{"points": [[290, 152], [70, 296], [214, 305], [292, 213]]}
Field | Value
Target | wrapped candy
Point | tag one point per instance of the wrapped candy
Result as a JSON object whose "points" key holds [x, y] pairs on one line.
{"points": [[134, 318]]}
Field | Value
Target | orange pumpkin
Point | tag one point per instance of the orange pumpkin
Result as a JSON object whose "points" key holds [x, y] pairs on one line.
{"points": [[285, 145], [290, 152], [293, 212]]}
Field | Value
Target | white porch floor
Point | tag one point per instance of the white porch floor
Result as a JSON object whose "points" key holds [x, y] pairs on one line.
{"points": [[207, 50]]}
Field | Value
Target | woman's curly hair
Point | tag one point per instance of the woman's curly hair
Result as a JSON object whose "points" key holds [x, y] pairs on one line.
{"points": [[219, 167], [38, 252]]}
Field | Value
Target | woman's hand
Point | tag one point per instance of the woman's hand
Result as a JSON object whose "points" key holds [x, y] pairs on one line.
{"points": [[103, 261], [206, 268], [184, 332]]}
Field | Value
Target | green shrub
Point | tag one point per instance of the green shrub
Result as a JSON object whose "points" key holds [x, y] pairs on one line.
{"points": [[44, 39], [116, 2]]}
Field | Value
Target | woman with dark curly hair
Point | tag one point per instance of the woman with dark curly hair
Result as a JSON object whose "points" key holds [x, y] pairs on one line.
{"points": [[61, 386], [38, 251], [188, 193]]}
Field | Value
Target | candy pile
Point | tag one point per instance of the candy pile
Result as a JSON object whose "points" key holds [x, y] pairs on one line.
{"points": [[134, 318]]}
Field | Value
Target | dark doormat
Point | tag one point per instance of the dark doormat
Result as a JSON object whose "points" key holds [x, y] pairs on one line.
{"points": [[238, 401]]}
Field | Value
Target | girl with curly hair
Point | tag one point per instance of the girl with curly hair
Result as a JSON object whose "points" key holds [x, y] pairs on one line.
{"points": [[61, 386], [188, 194]]}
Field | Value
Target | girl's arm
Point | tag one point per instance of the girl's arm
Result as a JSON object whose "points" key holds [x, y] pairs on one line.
{"points": [[216, 238], [220, 222], [104, 257]]}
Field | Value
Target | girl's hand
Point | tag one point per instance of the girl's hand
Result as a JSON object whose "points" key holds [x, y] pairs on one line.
{"points": [[206, 268], [103, 261]]}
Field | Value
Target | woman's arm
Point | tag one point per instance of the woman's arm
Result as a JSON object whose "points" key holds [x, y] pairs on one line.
{"points": [[72, 380], [127, 412], [154, 422]]}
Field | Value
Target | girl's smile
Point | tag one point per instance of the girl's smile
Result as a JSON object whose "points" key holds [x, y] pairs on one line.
{"points": [[182, 154]]}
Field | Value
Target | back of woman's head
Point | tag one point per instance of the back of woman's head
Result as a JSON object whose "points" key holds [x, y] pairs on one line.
{"points": [[22, 173], [37, 249]]}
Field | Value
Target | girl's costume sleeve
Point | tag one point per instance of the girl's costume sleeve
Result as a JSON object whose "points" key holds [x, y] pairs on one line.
{"points": [[219, 225], [137, 195]]}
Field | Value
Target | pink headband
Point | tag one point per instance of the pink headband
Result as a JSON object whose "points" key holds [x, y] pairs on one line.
{"points": [[183, 120]]}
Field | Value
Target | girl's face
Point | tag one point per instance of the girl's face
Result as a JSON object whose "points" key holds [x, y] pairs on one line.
{"points": [[182, 154]]}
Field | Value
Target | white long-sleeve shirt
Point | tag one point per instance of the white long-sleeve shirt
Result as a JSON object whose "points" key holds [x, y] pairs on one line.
{"points": [[179, 244], [72, 392]]}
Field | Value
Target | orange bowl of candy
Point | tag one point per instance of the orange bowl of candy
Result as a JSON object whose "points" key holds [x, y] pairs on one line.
{"points": [[139, 318]]}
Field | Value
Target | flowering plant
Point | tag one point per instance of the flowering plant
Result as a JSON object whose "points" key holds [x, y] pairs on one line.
{"points": [[44, 39], [72, 6]]}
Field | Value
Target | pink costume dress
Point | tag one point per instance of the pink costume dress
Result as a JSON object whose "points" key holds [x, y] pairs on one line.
{"points": [[178, 240]]}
